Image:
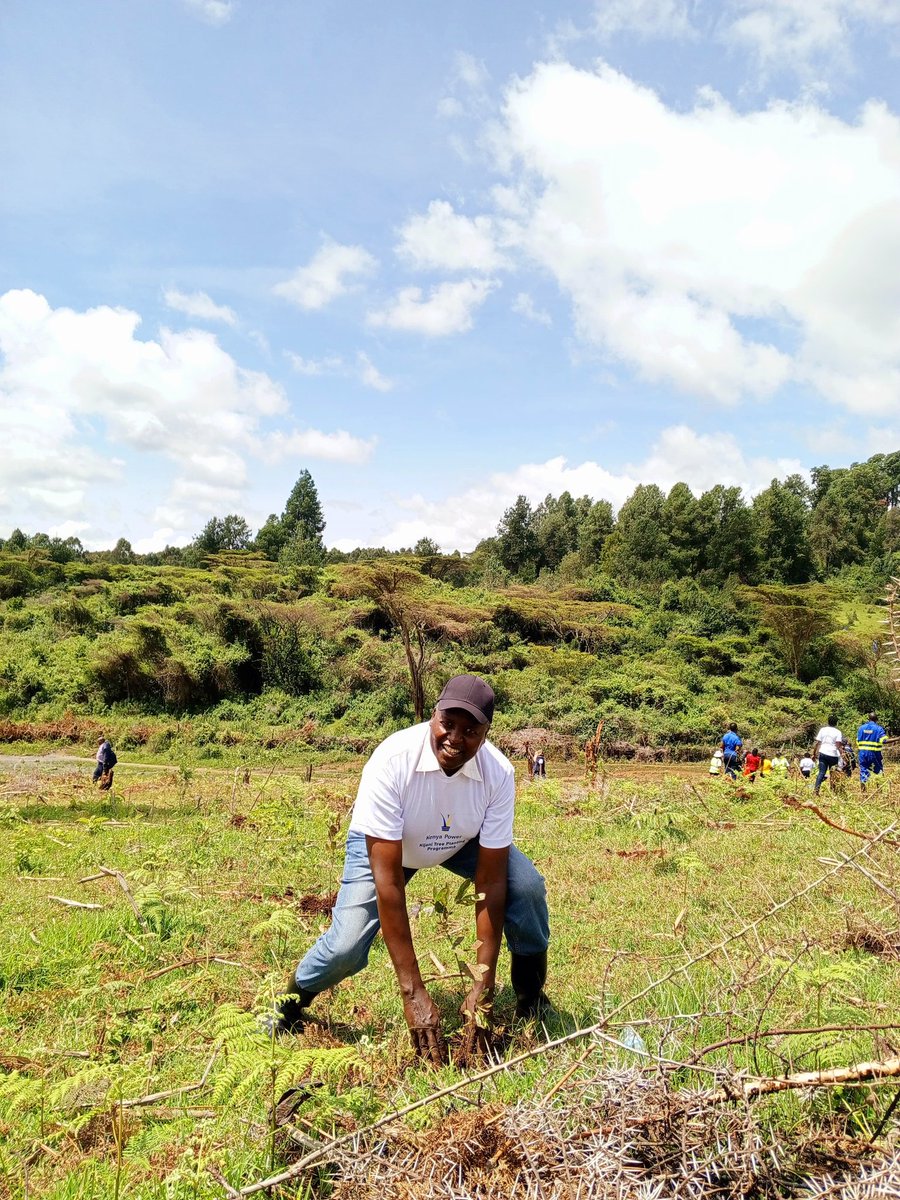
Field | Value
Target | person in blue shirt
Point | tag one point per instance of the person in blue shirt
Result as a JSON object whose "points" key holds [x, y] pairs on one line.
{"points": [[731, 750], [106, 760], [870, 739]]}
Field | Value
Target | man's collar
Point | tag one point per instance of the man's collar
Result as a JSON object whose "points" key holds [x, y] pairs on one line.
{"points": [[428, 762]]}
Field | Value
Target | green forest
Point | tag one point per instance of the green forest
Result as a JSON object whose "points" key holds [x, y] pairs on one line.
{"points": [[666, 621]]}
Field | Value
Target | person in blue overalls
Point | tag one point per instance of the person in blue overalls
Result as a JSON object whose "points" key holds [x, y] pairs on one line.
{"points": [[870, 739], [731, 751]]}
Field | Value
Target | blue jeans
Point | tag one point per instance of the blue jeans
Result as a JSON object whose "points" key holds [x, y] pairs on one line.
{"points": [[344, 947], [826, 761]]}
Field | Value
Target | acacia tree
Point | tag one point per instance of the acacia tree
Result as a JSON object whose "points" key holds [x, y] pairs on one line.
{"points": [[421, 620], [795, 620]]}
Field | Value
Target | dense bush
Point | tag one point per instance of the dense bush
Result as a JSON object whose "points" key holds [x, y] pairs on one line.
{"points": [[238, 657]]}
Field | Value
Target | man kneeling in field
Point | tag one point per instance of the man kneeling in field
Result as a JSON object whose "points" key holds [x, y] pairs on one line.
{"points": [[436, 794]]}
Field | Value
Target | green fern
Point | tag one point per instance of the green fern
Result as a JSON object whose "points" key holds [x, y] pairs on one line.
{"points": [[19, 1093], [250, 1063]]}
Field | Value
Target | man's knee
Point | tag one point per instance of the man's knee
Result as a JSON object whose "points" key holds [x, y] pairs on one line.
{"points": [[527, 924], [526, 886], [332, 959]]}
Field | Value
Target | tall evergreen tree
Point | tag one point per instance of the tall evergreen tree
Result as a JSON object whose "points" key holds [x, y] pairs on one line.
{"points": [[297, 533], [638, 550], [849, 521], [595, 526], [517, 544], [683, 523], [729, 546], [781, 526], [556, 529]]}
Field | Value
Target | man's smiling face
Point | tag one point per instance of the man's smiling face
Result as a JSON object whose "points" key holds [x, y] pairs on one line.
{"points": [[456, 737]]}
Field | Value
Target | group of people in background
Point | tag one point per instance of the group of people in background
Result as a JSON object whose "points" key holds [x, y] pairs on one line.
{"points": [[831, 756]]}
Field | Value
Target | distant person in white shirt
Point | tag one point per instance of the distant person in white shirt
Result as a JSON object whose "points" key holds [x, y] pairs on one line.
{"points": [[438, 794], [807, 763], [829, 746]]}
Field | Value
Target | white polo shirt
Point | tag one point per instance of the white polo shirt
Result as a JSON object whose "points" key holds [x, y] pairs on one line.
{"points": [[404, 795], [830, 740]]}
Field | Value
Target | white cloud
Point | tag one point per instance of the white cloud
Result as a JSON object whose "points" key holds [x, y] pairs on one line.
{"points": [[471, 72], [67, 529], [331, 272], [363, 369], [214, 12], [315, 366], [467, 87], [442, 239], [449, 107], [704, 459], [73, 385], [200, 306], [680, 454], [724, 253], [803, 34], [313, 443], [164, 535], [646, 18], [524, 305], [370, 375], [448, 308]]}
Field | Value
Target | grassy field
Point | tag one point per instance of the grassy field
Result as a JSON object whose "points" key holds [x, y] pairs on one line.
{"points": [[130, 1065]]}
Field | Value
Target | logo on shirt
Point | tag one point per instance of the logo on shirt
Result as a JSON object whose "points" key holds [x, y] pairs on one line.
{"points": [[445, 823]]}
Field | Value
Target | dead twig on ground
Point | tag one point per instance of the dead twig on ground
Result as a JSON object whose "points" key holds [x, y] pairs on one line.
{"points": [[743, 931], [864, 1072], [324, 1151], [882, 887], [156, 1097], [808, 806], [123, 884], [759, 1035], [203, 961]]}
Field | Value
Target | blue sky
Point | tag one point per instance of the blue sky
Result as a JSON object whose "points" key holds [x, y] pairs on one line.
{"points": [[439, 255]]}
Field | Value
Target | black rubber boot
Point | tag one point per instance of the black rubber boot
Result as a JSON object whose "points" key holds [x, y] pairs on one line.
{"points": [[287, 1015], [528, 974]]}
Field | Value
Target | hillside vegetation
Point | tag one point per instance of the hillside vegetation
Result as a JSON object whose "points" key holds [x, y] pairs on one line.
{"points": [[667, 621], [236, 659]]}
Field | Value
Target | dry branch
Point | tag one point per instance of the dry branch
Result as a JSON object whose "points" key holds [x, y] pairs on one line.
{"points": [[808, 806], [759, 1035], [204, 961], [861, 1073], [156, 1097], [123, 884], [73, 903]]}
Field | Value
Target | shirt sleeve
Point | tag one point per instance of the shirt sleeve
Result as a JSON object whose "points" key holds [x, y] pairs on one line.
{"points": [[378, 811], [497, 827]]}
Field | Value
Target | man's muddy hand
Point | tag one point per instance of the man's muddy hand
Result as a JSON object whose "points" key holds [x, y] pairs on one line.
{"points": [[424, 1021]]}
